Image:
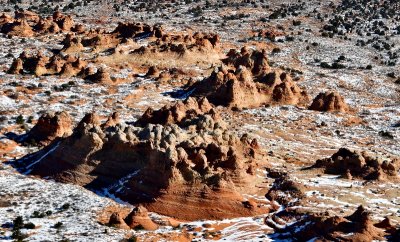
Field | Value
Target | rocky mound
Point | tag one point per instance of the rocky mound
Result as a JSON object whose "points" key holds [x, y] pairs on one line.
{"points": [[181, 171], [329, 102], [248, 81], [39, 64], [18, 27], [356, 227], [178, 113], [49, 127], [285, 191], [27, 24], [117, 221], [271, 33], [139, 218], [101, 76], [349, 163], [138, 30], [72, 44]]}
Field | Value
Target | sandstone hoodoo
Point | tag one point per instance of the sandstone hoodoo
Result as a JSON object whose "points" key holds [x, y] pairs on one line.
{"points": [[40, 64], [18, 27], [139, 218], [329, 102], [355, 227], [49, 127], [28, 24], [117, 221], [138, 30], [247, 80], [198, 164], [349, 163], [101, 76], [178, 113]]}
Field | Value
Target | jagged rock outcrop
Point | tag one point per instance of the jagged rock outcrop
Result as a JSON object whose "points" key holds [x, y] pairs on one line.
{"points": [[186, 47], [329, 102], [178, 113], [357, 164], [199, 165], [355, 227], [49, 127], [100, 41], [248, 81]]}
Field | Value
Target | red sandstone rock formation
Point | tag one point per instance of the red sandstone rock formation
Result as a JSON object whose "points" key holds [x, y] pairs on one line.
{"points": [[18, 28], [329, 102], [178, 112], [28, 24], [356, 227], [41, 64], [139, 218], [49, 127], [101, 76], [248, 81], [65, 22], [286, 191], [359, 165], [27, 15], [201, 166], [117, 221]]}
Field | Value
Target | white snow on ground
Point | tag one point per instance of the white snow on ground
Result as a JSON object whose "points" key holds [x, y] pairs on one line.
{"points": [[6, 103], [28, 194]]}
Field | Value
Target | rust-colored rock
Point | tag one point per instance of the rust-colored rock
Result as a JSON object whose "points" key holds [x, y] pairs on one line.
{"points": [[347, 162], [286, 191], [65, 22], [329, 102], [153, 72], [112, 121], [248, 81], [27, 15], [239, 89], [18, 28], [177, 113], [17, 67], [199, 165], [5, 19], [49, 127], [139, 219], [117, 221], [72, 44], [355, 227], [40, 64], [101, 76]]}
